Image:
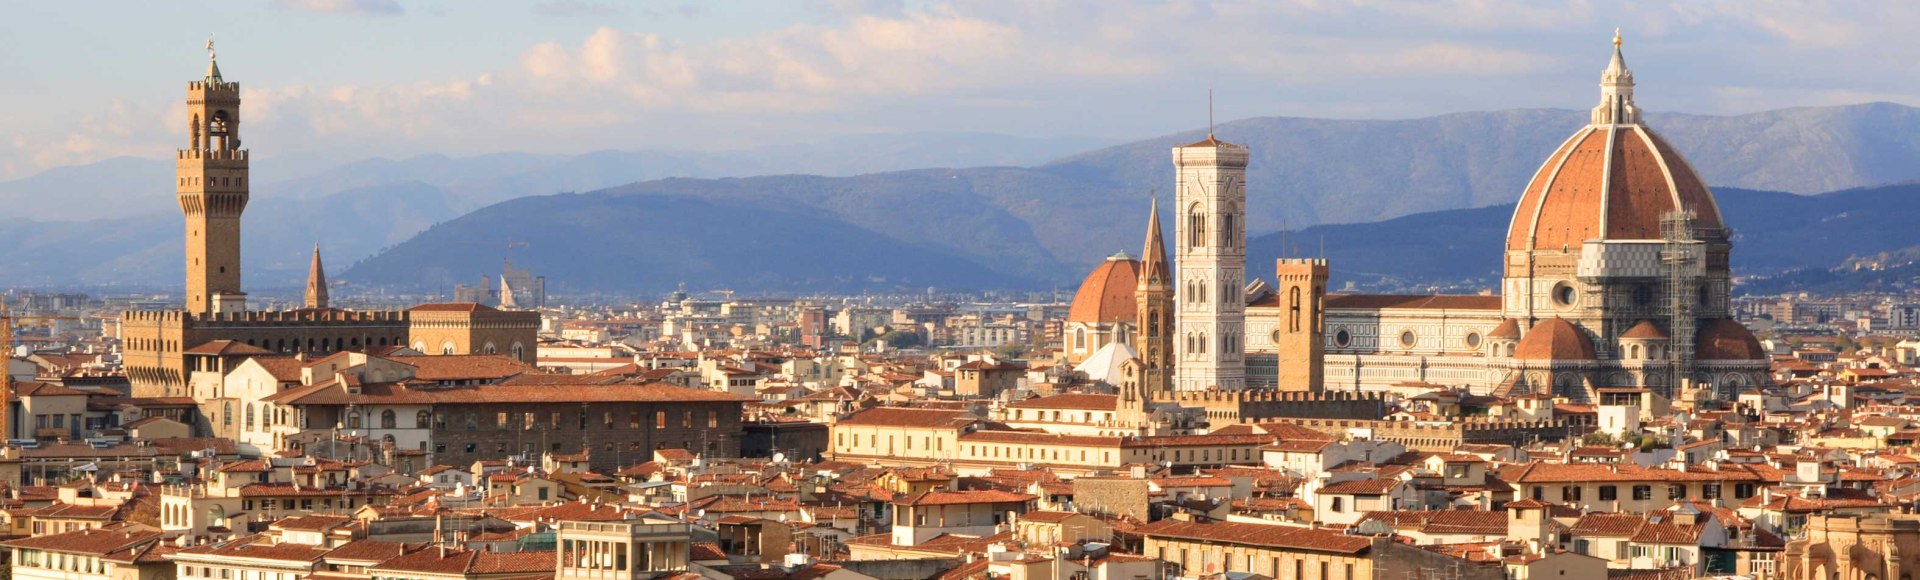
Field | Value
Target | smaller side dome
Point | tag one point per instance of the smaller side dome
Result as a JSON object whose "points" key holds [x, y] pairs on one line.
{"points": [[1645, 330], [1107, 295], [1509, 329], [1727, 339], [1555, 339]]}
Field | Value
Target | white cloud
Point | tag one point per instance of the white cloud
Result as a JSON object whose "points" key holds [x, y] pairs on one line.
{"points": [[1056, 67]]}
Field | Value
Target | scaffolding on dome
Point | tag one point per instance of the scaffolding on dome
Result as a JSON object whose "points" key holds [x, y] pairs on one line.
{"points": [[1681, 259]]}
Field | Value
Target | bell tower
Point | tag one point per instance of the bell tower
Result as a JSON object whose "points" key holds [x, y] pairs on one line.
{"points": [[1301, 336], [212, 183], [1153, 308], [1210, 247]]}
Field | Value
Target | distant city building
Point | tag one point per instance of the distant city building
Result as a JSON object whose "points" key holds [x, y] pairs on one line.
{"points": [[521, 289]]}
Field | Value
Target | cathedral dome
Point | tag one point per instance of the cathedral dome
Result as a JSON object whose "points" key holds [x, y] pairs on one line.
{"points": [[1645, 330], [1612, 180], [1107, 293], [1509, 329], [1727, 339], [1555, 339]]}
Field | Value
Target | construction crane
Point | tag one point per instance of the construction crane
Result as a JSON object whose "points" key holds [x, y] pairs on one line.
{"points": [[6, 359]]}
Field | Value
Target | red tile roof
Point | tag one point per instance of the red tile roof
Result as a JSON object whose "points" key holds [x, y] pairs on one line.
{"points": [[1089, 401], [1263, 535], [906, 417], [92, 541], [1385, 301], [962, 497]]}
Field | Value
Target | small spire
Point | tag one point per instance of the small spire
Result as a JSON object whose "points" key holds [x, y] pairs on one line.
{"points": [[316, 282], [1153, 259], [213, 64]]}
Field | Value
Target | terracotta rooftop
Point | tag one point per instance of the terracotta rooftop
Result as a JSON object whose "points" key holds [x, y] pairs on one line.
{"points": [[100, 541], [926, 498], [1385, 301], [909, 417], [1087, 401], [1307, 539]]}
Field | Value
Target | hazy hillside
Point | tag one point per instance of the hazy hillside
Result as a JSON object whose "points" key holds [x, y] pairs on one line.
{"points": [[626, 242], [1313, 171], [128, 186], [1040, 225], [148, 251], [1774, 232]]}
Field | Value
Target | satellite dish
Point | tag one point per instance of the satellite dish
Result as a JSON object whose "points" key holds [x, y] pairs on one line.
{"points": [[779, 458]]}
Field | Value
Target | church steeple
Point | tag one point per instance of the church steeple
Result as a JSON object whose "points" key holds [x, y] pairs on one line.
{"points": [[1153, 259], [316, 282], [1616, 91], [1153, 312]]}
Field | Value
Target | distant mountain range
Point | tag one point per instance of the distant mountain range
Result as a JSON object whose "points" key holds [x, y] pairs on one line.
{"points": [[876, 226], [1785, 241]]}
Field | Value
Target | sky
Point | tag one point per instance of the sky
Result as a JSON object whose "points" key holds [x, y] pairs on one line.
{"points": [[350, 79]]}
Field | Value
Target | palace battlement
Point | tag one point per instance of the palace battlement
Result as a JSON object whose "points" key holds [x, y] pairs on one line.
{"points": [[1436, 437], [304, 317], [211, 154], [1264, 396], [214, 86]]}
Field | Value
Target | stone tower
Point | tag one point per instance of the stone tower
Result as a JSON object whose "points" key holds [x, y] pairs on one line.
{"points": [[1153, 309], [1212, 252], [316, 282], [1301, 335], [212, 184]]}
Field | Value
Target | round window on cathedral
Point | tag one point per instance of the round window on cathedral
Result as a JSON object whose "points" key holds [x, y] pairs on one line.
{"points": [[1473, 340], [1563, 294], [1407, 338], [1342, 338]]}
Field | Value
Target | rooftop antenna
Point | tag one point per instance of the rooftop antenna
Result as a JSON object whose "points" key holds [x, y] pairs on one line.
{"points": [[1209, 113], [1283, 239]]}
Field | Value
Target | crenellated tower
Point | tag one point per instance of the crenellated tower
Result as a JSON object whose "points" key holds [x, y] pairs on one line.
{"points": [[1211, 245], [212, 184], [1153, 309], [1301, 335]]}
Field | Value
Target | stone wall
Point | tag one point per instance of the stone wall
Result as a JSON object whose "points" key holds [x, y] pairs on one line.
{"points": [[1120, 496]]}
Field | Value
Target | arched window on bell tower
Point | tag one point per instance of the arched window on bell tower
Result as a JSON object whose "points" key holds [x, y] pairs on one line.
{"points": [[219, 131], [1196, 227], [1293, 309]]}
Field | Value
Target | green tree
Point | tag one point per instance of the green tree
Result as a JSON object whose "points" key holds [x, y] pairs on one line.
{"points": [[1010, 351], [902, 339]]}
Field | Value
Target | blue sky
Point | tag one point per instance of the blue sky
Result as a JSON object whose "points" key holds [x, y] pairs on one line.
{"points": [[347, 79]]}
